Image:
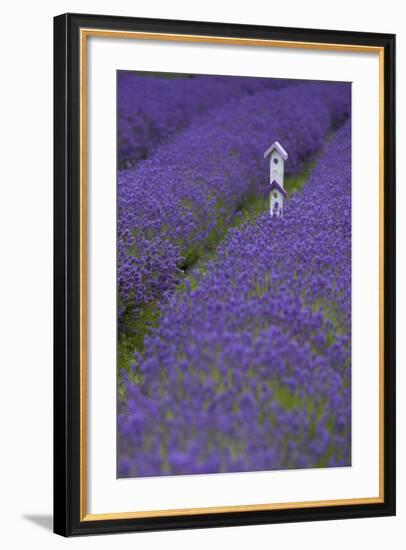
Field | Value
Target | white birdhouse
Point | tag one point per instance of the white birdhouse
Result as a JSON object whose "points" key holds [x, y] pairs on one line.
{"points": [[277, 156]]}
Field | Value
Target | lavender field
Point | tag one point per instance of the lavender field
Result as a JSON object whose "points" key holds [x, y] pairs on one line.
{"points": [[234, 327]]}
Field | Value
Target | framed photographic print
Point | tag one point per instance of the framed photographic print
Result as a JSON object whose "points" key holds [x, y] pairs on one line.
{"points": [[224, 274]]}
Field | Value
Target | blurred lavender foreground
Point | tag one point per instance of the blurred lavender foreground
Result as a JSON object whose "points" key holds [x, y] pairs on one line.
{"points": [[248, 366]]}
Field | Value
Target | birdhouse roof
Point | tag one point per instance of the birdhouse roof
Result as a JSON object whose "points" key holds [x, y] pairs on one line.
{"points": [[276, 145], [275, 185]]}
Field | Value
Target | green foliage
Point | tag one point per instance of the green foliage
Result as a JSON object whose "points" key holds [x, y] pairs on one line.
{"points": [[131, 339], [294, 184]]}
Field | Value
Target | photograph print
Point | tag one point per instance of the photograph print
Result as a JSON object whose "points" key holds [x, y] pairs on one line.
{"points": [[233, 274]]}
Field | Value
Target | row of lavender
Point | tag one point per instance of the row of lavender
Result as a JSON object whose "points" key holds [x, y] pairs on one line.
{"points": [[251, 369], [182, 198], [151, 110]]}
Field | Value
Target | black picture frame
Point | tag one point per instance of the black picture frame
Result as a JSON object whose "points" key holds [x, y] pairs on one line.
{"points": [[68, 520]]}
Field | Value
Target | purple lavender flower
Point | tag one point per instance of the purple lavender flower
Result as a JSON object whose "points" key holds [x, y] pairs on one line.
{"points": [[151, 110], [249, 369], [176, 203]]}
